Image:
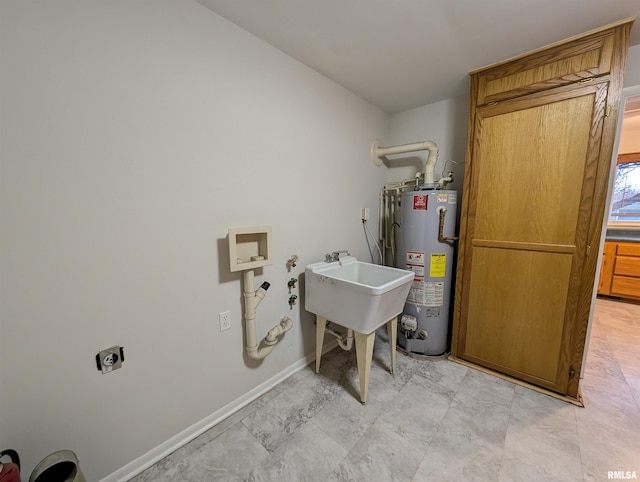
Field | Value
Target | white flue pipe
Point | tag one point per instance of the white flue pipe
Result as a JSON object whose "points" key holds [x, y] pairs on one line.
{"points": [[251, 301], [429, 167]]}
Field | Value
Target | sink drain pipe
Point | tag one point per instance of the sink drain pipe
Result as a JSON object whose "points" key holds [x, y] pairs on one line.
{"points": [[345, 340], [251, 301]]}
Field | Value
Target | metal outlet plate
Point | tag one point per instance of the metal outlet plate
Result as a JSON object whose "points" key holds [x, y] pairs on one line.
{"points": [[110, 359]]}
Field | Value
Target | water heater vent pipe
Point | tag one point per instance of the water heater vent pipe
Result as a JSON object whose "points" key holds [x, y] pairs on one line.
{"points": [[379, 155]]}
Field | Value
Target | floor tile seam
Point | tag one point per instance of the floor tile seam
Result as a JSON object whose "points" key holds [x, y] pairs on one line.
{"points": [[241, 420], [426, 381], [626, 381], [583, 462], [577, 436], [371, 427], [437, 430], [347, 451], [406, 382], [431, 441], [603, 422], [633, 396], [280, 453], [373, 423], [254, 436], [506, 432], [599, 402], [192, 447], [294, 384], [269, 452], [637, 400], [306, 420]]}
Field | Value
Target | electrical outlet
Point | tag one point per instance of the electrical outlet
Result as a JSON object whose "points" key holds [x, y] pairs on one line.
{"points": [[225, 320], [364, 214]]}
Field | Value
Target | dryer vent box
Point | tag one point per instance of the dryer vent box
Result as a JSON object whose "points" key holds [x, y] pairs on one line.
{"points": [[249, 248]]}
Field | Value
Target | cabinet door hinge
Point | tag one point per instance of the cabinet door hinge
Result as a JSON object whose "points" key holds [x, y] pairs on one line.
{"points": [[588, 249], [572, 372], [607, 111]]}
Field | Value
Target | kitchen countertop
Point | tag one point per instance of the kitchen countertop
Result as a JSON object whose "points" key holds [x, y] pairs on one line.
{"points": [[628, 235]]}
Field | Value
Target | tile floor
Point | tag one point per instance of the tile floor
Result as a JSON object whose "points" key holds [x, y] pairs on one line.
{"points": [[432, 421]]}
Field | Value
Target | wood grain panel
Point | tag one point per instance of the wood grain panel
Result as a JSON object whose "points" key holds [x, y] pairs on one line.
{"points": [[530, 224], [606, 268], [531, 181], [628, 249], [627, 266], [547, 248], [626, 287], [583, 59], [582, 62], [589, 230], [516, 309], [628, 157], [458, 330]]}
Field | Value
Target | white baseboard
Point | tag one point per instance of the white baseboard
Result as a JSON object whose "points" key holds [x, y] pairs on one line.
{"points": [[156, 454]]}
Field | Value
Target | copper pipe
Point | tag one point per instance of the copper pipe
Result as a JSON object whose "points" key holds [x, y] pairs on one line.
{"points": [[441, 238]]}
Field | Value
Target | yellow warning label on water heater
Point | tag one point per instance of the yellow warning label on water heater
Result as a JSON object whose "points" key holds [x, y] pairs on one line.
{"points": [[438, 265]]}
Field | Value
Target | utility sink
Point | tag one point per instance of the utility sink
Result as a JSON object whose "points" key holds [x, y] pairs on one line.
{"points": [[361, 297], [357, 295]]}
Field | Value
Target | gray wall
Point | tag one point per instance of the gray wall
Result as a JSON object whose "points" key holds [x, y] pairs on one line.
{"points": [[443, 122], [133, 135], [632, 70]]}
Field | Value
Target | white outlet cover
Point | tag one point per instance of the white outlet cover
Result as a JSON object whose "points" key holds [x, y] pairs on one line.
{"points": [[225, 320]]}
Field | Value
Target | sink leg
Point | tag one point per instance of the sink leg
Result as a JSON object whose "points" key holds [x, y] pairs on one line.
{"points": [[364, 354], [321, 323], [392, 333]]}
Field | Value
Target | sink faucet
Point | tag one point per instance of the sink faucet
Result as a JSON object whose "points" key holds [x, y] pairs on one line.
{"points": [[335, 256]]}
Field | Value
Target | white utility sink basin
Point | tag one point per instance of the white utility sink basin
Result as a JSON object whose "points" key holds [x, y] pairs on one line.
{"points": [[357, 295]]}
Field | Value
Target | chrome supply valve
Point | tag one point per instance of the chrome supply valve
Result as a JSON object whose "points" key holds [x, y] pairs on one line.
{"points": [[292, 262], [292, 284], [335, 256], [292, 300]]}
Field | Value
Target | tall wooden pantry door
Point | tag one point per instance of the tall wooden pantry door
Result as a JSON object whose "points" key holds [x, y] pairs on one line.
{"points": [[540, 142]]}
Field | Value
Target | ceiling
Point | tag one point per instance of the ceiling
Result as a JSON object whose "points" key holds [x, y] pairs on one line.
{"points": [[401, 54]]}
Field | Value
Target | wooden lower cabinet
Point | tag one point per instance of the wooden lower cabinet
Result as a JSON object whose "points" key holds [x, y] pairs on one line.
{"points": [[620, 270]]}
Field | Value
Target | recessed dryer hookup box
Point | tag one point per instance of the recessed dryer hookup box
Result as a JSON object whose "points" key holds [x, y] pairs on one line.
{"points": [[249, 248]]}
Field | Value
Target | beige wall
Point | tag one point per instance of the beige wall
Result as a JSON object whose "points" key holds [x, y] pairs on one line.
{"points": [[630, 133], [133, 135], [632, 71]]}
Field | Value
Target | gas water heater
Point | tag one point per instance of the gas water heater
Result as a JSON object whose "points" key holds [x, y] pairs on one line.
{"points": [[426, 247]]}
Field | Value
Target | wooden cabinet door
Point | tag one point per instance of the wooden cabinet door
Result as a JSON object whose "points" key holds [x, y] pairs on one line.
{"points": [[530, 194], [626, 271]]}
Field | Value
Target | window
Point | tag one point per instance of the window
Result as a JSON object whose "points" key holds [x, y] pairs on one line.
{"points": [[625, 199], [624, 211]]}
